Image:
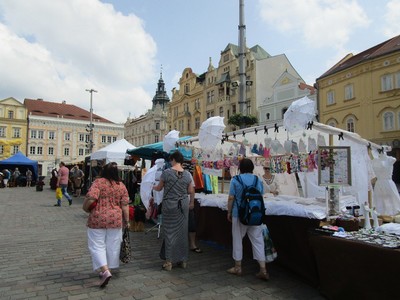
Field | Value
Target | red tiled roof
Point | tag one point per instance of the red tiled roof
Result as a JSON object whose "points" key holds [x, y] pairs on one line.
{"points": [[43, 108], [349, 60]]}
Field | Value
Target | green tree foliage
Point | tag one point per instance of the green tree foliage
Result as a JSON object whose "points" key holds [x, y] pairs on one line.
{"points": [[241, 120]]}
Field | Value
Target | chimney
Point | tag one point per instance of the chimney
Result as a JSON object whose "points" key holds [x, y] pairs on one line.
{"points": [[64, 102], [39, 99]]}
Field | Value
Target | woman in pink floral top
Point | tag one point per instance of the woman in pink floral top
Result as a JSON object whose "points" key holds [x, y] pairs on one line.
{"points": [[106, 220]]}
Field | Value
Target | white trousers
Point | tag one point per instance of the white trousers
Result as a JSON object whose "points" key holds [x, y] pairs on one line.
{"points": [[256, 238], [104, 246]]}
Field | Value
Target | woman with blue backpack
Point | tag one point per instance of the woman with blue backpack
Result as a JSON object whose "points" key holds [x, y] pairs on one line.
{"points": [[245, 212]]}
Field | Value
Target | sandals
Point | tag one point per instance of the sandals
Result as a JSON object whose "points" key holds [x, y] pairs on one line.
{"points": [[196, 250], [263, 275], [235, 271], [167, 266]]}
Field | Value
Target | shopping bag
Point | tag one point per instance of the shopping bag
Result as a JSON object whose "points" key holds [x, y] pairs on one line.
{"points": [[125, 254], [58, 193], [270, 251]]}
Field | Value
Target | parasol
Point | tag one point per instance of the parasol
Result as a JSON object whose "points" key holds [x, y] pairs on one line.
{"points": [[299, 113], [211, 132], [170, 139]]}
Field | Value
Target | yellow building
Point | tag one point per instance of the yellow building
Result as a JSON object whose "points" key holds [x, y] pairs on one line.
{"points": [[361, 94], [13, 127], [215, 92]]}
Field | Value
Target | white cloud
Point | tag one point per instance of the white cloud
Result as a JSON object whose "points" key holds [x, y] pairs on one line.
{"points": [[320, 23], [392, 19], [56, 49]]}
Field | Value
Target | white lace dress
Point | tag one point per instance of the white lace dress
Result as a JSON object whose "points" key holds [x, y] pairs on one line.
{"points": [[386, 196]]}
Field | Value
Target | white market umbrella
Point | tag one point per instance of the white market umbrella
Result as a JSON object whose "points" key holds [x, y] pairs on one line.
{"points": [[299, 113], [170, 139], [146, 186], [211, 132]]}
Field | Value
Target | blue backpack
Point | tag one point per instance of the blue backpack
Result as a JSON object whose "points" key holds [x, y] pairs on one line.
{"points": [[251, 207]]}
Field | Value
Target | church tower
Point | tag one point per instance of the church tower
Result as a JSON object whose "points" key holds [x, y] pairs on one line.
{"points": [[161, 98]]}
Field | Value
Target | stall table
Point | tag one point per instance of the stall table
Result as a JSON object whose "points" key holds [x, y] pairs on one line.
{"points": [[355, 270]]}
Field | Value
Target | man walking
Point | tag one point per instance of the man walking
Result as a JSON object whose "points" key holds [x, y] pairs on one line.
{"points": [[62, 182]]}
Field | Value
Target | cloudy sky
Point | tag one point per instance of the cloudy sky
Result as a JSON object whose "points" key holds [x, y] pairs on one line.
{"points": [[56, 49]]}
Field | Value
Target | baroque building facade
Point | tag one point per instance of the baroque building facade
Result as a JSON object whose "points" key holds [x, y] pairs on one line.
{"points": [[60, 132], [361, 93], [13, 127], [150, 127], [216, 92]]}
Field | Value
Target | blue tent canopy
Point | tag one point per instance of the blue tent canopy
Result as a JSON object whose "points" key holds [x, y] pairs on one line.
{"points": [[151, 151], [19, 160]]}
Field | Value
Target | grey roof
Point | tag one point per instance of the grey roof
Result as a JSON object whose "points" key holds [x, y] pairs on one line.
{"points": [[258, 52]]}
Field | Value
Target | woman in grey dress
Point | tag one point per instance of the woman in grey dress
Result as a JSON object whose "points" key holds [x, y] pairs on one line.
{"points": [[177, 184]]}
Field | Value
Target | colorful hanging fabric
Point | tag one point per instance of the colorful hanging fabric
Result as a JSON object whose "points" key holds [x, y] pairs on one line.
{"points": [[198, 178]]}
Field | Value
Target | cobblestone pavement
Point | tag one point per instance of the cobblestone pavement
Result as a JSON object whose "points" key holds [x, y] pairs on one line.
{"points": [[43, 255]]}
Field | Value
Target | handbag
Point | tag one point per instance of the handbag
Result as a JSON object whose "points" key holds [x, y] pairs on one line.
{"points": [[125, 254]]}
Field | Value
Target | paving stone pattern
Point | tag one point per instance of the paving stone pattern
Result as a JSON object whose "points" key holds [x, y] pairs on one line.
{"points": [[44, 255]]}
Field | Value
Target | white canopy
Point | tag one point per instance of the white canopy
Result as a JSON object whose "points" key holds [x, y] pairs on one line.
{"points": [[115, 152]]}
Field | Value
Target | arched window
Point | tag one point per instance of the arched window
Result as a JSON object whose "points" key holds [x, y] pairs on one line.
{"points": [[350, 124], [388, 121], [332, 123], [283, 111]]}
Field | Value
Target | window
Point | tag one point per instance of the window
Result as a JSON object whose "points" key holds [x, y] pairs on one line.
{"points": [[330, 98], [268, 115], [234, 109], [197, 104], [348, 92], [387, 82], [87, 138], [11, 114], [180, 124], [114, 138], [156, 139], [283, 111], [66, 151], [1, 149], [186, 107], [81, 137], [398, 80], [16, 132], [109, 139], [226, 57], [87, 151], [39, 150], [197, 123], [52, 135], [187, 88], [32, 150], [157, 125], [188, 125], [388, 121], [221, 111], [350, 124], [67, 136], [50, 151], [15, 149], [103, 139], [2, 131], [81, 151], [210, 114], [33, 134], [210, 97]]}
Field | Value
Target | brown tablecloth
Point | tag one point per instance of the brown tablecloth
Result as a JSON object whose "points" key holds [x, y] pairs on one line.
{"points": [[291, 240], [289, 234], [355, 270]]}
